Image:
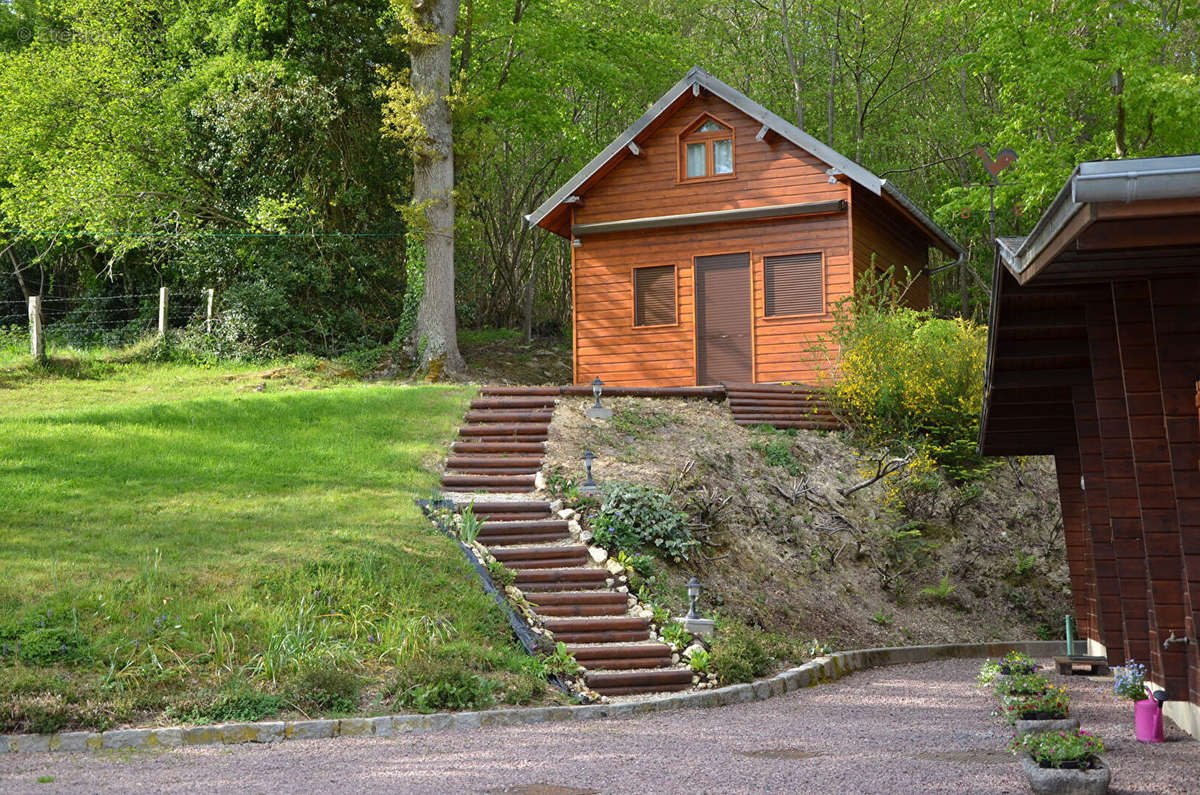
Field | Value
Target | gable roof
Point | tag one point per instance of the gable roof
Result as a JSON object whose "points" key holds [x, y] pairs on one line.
{"points": [[697, 78]]}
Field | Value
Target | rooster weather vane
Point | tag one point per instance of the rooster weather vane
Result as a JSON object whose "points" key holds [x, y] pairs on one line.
{"points": [[1004, 159]]}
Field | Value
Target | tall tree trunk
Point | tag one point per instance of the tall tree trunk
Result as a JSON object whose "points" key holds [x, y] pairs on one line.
{"points": [[795, 68], [433, 185], [830, 97]]}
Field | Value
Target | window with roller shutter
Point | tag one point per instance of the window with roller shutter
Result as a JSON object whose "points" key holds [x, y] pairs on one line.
{"points": [[654, 296], [794, 285]]}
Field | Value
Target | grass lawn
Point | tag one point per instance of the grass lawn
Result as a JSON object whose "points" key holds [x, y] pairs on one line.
{"points": [[181, 543]]}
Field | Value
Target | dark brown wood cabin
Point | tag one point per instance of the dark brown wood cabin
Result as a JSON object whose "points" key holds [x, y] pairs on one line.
{"points": [[1094, 355], [711, 240]]}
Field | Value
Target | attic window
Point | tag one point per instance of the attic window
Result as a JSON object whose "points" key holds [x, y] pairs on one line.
{"points": [[706, 150]]}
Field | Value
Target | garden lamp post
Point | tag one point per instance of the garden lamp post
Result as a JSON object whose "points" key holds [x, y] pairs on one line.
{"points": [[589, 486], [694, 587], [598, 412]]}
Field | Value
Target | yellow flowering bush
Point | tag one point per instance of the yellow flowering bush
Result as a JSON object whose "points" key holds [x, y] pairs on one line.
{"points": [[904, 374]]}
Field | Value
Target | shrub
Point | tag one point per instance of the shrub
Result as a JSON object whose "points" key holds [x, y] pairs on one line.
{"points": [[738, 656], [427, 685], [636, 518], [239, 704], [329, 689], [903, 374]]}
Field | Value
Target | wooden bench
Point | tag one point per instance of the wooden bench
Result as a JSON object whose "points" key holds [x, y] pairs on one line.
{"points": [[1081, 664]]}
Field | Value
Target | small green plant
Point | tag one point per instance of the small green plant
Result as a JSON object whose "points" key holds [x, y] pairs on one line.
{"points": [[1025, 564], [942, 591], [329, 689], [561, 486], [561, 662], [500, 574], [1069, 749], [51, 646], [637, 518], [1051, 703], [240, 704], [1129, 681], [989, 672], [1020, 685], [430, 684], [738, 656], [817, 648], [700, 660], [777, 449], [883, 619], [469, 524], [45, 779], [675, 635]]}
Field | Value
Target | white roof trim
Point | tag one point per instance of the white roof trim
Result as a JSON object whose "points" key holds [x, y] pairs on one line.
{"points": [[698, 77]]}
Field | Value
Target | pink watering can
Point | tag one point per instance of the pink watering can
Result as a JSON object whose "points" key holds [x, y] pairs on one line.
{"points": [[1147, 717]]}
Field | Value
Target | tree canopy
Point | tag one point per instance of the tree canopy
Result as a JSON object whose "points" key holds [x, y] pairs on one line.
{"points": [[250, 144]]}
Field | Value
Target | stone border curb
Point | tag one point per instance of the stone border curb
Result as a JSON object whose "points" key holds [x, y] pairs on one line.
{"points": [[817, 671]]}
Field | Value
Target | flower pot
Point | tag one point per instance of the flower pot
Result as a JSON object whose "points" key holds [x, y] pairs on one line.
{"points": [[1035, 725], [1066, 781], [1147, 721]]}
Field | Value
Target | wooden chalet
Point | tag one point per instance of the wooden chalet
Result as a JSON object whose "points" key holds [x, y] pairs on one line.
{"points": [[712, 238], [1093, 358]]}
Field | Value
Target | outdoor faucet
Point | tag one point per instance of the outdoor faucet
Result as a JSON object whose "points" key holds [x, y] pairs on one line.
{"points": [[1167, 643]]}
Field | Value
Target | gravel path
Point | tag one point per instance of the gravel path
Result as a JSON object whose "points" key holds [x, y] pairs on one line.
{"points": [[904, 729]]}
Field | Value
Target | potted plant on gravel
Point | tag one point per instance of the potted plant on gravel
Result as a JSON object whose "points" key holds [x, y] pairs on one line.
{"points": [[1016, 663], [1040, 712], [1020, 685], [1063, 762]]}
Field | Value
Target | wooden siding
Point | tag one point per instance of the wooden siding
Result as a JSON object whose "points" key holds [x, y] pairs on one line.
{"points": [[882, 233]]}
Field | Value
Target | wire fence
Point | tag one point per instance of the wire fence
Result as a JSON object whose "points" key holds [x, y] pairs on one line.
{"points": [[104, 320]]}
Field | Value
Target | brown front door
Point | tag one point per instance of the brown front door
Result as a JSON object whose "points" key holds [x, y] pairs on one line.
{"points": [[723, 350]]}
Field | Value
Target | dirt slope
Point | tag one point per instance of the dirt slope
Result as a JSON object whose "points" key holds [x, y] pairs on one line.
{"points": [[910, 559]]}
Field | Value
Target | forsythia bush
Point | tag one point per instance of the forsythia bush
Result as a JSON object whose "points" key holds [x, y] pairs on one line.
{"points": [[903, 374]]}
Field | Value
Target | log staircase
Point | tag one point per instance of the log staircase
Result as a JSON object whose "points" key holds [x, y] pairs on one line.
{"points": [[577, 600], [501, 444], [781, 406]]}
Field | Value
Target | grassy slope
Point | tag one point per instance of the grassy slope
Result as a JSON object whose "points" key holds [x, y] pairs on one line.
{"points": [[171, 536]]}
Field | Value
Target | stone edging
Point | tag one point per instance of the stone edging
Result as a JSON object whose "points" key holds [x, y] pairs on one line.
{"points": [[820, 670]]}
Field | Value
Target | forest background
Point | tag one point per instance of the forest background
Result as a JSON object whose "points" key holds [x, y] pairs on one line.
{"points": [[258, 146]]}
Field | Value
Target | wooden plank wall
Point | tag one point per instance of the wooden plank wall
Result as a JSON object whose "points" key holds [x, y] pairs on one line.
{"points": [[772, 171], [883, 238]]}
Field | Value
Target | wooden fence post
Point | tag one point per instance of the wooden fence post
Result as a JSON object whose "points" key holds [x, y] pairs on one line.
{"points": [[208, 314], [162, 311], [37, 335]]}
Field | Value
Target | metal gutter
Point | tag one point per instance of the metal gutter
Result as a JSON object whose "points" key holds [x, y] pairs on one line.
{"points": [[1140, 179], [714, 217]]}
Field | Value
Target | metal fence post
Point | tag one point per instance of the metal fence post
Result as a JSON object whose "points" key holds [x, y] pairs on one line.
{"points": [[37, 336], [162, 311]]}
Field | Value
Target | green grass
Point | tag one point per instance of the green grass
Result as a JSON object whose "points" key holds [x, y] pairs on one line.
{"points": [[174, 543]]}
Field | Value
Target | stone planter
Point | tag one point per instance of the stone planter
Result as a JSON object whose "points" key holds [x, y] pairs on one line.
{"points": [[1046, 725], [1066, 781]]}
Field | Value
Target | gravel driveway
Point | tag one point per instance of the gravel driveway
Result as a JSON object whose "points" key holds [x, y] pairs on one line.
{"points": [[904, 729]]}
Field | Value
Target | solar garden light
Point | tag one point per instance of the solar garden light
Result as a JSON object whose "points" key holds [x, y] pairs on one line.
{"points": [[694, 587], [598, 412], [589, 486]]}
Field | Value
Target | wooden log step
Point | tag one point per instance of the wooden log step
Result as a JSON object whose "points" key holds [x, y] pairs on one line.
{"points": [[675, 676], [541, 553], [524, 517], [596, 624], [508, 417], [615, 651], [523, 526], [461, 470], [545, 587], [543, 563], [779, 411], [489, 391], [630, 662], [504, 429], [506, 506], [486, 461], [541, 538], [494, 489], [767, 402], [614, 636], [510, 403], [784, 422], [470, 481], [497, 447], [577, 609], [580, 598], [641, 689], [708, 392], [787, 388], [562, 575]]}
